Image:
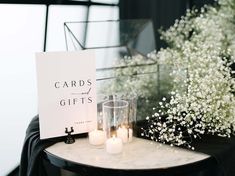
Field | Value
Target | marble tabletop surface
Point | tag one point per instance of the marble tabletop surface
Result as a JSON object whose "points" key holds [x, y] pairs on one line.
{"points": [[139, 154]]}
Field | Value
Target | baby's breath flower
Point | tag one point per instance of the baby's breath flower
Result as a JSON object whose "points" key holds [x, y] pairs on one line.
{"points": [[196, 83], [203, 101]]}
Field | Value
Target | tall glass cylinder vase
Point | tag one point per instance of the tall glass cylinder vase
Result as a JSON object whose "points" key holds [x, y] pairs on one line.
{"points": [[116, 115]]}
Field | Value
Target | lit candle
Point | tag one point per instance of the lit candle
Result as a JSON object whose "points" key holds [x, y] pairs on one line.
{"points": [[130, 135], [122, 133], [114, 145], [96, 137]]}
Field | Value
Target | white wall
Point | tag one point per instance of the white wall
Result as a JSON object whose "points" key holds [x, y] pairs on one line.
{"points": [[21, 34]]}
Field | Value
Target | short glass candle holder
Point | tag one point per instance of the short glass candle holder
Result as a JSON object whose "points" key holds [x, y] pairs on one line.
{"points": [[98, 136], [101, 98]]}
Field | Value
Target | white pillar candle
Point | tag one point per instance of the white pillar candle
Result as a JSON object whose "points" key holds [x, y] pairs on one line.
{"points": [[97, 137], [122, 133], [114, 145]]}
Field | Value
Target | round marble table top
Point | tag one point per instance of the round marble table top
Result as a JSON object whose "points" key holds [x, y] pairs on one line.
{"points": [[139, 154]]}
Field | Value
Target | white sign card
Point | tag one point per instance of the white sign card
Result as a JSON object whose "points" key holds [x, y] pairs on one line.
{"points": [[66, 92]]}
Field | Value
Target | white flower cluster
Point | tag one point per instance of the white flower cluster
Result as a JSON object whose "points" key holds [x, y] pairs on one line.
{"points": [[202, 47]]}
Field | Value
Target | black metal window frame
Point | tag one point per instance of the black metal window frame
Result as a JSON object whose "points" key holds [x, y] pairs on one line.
{"points": [[47, 3]]}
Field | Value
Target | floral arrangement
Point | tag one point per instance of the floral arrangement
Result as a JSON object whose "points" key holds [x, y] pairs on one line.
{"points": [[202, 45], [194, 95]]}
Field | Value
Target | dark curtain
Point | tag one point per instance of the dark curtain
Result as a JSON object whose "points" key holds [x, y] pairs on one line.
{"points": [[199, 3], [163, 13]]}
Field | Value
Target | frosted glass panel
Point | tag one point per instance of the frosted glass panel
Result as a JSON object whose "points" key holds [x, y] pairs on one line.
{"points": [[21, 34]]}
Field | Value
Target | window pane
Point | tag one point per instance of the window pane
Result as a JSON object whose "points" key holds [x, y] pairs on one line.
{"points": [[103, 13], [98, 36], [21, 35], [59, 14], [79, 0], [107, 1]]}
